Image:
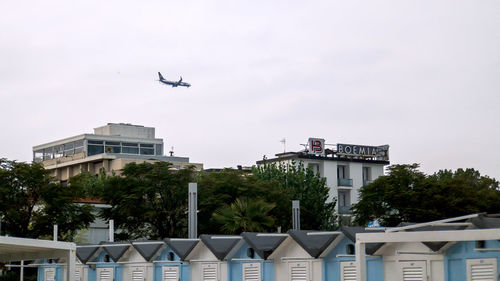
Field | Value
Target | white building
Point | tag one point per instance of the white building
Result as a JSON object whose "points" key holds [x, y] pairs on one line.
{"points": [[110, 147], [346, 167]]}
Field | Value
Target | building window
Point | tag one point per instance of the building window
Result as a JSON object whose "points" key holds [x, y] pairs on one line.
{"points": [[95, 147], [344, 197], [130, 148], [147, 149], [343, 176], [314, 167], [113, 147], [367, 175]]}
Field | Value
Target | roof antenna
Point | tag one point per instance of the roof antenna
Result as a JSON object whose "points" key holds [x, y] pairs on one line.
{"points": [[171, 152], [283, 141]]}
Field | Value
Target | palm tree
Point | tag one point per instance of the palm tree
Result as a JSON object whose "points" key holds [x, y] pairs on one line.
{"points": [[245, 215]]}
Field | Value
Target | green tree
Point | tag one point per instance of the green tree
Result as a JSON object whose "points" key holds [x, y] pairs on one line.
{"points": [[31, 203], [293, 181], [245, 215], [408, 195], [216, 189], [148, 200]]}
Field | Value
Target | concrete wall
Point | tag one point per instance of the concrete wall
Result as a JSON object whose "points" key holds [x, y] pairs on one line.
{"points": [[126, 130]]}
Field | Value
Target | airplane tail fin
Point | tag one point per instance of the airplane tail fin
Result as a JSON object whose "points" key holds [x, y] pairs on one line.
{"points": [[160, 76], [180, 80]]}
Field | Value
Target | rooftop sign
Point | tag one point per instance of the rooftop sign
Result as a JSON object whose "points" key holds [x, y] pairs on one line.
{"points": [[316, 146], [353, 150]]}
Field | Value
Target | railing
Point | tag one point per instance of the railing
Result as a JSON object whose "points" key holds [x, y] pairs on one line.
{"points": [[345, 182], [344, 209], [367, 182]]}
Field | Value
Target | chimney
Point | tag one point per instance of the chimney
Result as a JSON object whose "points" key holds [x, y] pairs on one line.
{"points": [[296, 215], [193, 211]]}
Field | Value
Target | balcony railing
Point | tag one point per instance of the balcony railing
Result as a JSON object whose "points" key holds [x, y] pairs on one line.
{"points": [[367, 182], [344, 210], [345, 182]]}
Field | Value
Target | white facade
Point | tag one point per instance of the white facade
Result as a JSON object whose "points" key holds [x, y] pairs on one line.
{"points": [[405, 260], [135, 267], [205, 265], [344, 174], [292, 262]]}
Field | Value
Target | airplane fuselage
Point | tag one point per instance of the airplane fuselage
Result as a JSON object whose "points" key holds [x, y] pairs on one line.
{"points": [[173, 83]]}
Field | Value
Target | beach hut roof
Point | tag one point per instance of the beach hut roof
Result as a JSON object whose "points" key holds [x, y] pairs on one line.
{"points": [[220, 245], [182, 247], [147, 248], [351, 231], [312, 241], [263, 243]]}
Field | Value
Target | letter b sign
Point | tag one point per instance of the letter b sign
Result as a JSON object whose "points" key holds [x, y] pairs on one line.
{"points": [[316, 146]]}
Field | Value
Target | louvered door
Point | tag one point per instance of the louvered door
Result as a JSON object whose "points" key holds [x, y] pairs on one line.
{"points": [[49, 274], [347, 271], [80, 273], [137, 273], [170, 273], [209, 272], [299, 271], [482, 269], [105, 274], [413, 271], [251, 271]]}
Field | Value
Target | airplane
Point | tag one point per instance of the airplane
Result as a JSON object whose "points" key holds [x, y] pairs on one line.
{"points": [[173, 83]]}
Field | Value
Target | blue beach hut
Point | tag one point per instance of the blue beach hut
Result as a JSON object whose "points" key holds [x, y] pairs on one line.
{"points": [[339, 257], [169, 262], [104, 266], [474, 260], [50, 270], [248, 259]]}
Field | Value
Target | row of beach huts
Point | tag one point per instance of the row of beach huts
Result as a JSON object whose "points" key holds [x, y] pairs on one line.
{"points": [[458, 249]]}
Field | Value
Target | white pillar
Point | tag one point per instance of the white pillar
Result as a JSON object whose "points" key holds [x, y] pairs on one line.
{"points": [[71, 265], [193, 210], [55, 233], [360, 250], [21, 271], [111, 231], [295, 214]]}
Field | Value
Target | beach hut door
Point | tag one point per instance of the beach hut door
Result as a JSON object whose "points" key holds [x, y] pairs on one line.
{"points": [[170, 273], [299, 271], [138, 273], [348, 271], [251, 272], [209, 272], [414, 271], [105, 274], [80, 273], [482, 269], [50, 274]]}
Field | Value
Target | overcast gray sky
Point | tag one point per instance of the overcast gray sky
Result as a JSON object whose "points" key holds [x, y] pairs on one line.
{"points": [[422, 76]]}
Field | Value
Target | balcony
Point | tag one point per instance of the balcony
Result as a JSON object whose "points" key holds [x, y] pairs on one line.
{"points": [[344, 182], [344, 210], [367, 182]]}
